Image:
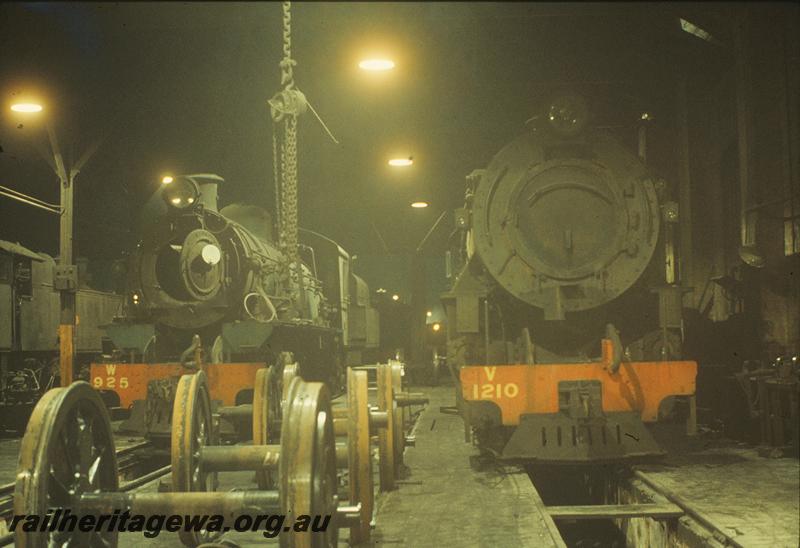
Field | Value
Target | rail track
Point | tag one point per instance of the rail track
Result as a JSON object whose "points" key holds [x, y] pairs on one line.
{"points": [[138, 465], [609, 505]]}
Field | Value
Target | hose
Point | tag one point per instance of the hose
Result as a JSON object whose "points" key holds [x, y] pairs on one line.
{"points": [[150, 344], [613, 335], [260, 293], [187, 354]]}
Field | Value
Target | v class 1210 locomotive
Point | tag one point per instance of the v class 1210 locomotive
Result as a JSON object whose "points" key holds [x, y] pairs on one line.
{"points": [[209, 288], [566, 247]]}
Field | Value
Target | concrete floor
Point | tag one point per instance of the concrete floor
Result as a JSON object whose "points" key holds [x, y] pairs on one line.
{"points": [[435, 504], [753, 500], [450, 499]]}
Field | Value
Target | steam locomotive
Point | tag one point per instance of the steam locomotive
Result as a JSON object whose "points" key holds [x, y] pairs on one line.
{"points": [[566, 248], [209, 288], [29, 313]]}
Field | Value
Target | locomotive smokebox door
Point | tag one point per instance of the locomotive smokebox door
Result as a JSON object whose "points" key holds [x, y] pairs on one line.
{"points": [[200, 265], [565, 225]]}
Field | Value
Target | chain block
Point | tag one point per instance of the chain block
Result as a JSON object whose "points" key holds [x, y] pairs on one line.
{"points": [[290, 102]]}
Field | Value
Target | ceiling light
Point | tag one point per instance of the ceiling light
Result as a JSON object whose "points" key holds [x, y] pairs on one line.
{"points": [[401, 162], [376, 65], [419, 205], [691, 28], [167, 179], [395, 297], [429, 313], [437, 327]]}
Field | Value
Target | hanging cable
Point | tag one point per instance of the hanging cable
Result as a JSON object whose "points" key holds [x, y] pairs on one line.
{"points": [[29, 200]]}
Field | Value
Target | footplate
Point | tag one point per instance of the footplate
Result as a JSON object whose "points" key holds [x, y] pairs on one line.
{"points": [[580, 431], [559, 438]]}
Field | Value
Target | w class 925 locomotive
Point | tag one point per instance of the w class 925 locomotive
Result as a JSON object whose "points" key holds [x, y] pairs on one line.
{"points": [[566, 247], [209, 288]]}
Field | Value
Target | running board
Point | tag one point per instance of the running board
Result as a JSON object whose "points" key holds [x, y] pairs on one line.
{"points": [[665, 510]]}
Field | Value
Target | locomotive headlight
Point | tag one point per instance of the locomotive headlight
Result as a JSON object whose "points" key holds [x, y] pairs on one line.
{"points": [[180, 193], [211, 254]]}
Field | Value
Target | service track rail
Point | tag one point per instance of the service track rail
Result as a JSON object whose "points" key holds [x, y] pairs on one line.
{"points": [[629, 506], [129, 458]]}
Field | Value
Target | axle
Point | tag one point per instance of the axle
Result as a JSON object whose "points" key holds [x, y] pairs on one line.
{"points": [[230, 505]]}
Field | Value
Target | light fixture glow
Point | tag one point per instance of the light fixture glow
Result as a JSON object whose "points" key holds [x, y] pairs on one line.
{"points": [[376, 65], [429, 313], [181, 193], [436, 327], [167, 179], [401, 162], [419, 205], [395, 297], [26, 107], [691, 28], [211, 254]]}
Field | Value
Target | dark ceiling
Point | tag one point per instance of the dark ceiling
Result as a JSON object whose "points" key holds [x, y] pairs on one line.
{"points": [[183, 87]]}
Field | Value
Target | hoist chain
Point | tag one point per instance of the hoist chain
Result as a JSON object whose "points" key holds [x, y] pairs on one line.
{"points": [[289, 205], [285, 106], [287, 78], [277, 182]]}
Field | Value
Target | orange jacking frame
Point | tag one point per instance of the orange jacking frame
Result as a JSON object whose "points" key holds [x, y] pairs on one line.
{"points": [[129, 380], [524, 389]]}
